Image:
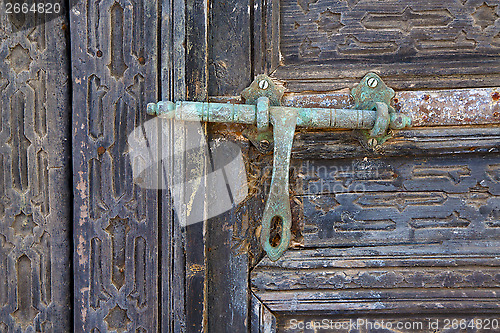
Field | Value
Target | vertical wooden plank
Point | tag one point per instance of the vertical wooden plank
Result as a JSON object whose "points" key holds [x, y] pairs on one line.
{"points": [[184, 30], [114, 64], [229, 47], [227, 275], [230, 71], [35, 185], [171, 137], [195, 155]]}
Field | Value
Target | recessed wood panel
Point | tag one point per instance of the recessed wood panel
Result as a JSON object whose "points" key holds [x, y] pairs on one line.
{"points": [[325, 45]]}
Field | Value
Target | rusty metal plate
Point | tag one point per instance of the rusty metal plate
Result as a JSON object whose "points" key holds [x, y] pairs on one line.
{"points": [[480, 106]]}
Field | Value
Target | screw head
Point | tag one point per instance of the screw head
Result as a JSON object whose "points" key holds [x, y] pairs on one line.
{"points": [[263, 84], [372, 82], [265, 144]]}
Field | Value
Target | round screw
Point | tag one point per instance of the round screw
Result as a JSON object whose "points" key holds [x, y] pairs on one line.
{"points": [[372, 142], [263, 84], [372, 82], [264, 144]]}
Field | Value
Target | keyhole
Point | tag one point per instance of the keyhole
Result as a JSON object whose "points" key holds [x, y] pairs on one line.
{"points": [[276, 230]]}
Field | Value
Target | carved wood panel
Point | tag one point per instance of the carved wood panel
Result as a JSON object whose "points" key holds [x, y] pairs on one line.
{"points": [[400, 200], [35, 187], [390, 233], [116, 230], [324, 45]]}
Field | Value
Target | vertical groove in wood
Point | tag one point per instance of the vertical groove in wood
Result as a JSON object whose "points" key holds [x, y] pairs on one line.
{"points": [[262, 320], [115, 227], [35, 186]]}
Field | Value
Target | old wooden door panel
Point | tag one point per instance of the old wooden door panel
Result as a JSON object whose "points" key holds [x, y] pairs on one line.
{"points": [[388, 221], [324, 45], [397, 200], [35, 185], [114, 69]]}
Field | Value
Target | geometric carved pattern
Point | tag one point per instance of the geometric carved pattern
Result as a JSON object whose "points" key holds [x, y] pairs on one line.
{"points": [[39, 86], [35, 185], [122, 170], [25, 312], [19, 142], [19, 59], [393, 201], [97, 291], [116, 231], [95, 106], [96, 200], [5, 248], [407, 20], [485, 16], [117, 319], [381, 280], [117, 66], [329, 22], [140, 291], [317, 38], [93, 40], [23, 225], [44, 251]]}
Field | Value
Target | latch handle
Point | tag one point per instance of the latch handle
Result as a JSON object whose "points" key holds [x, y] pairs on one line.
{"points": [[278, 202]]}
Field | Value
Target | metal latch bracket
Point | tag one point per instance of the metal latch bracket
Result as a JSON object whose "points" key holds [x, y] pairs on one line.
{"points": [[372, 113]]}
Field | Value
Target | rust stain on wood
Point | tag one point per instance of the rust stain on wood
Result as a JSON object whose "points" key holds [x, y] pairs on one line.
{"points": [[475, 106]]}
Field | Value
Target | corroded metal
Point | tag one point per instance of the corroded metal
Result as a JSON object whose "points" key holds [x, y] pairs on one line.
{"points": [[474, 106], [263, 86], [366, 94], [373, 112], [247, 114], [278, 202]]}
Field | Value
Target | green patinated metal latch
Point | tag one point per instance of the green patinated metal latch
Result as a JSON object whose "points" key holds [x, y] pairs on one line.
{"points": [[372, 112]]}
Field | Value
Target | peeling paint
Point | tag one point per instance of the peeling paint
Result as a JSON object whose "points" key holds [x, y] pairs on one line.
{"points": [[80, 249]]}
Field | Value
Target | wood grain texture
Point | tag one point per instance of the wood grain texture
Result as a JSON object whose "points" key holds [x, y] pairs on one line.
{"points": [[261, 319], [114, 69], [394, 323], [415, 44], [227, 242], [229, 47], [35, 176], [415, 142], [191, 144]]}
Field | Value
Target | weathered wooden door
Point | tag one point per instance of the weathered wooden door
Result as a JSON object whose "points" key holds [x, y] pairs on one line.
{"points": [[405, 233]]}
